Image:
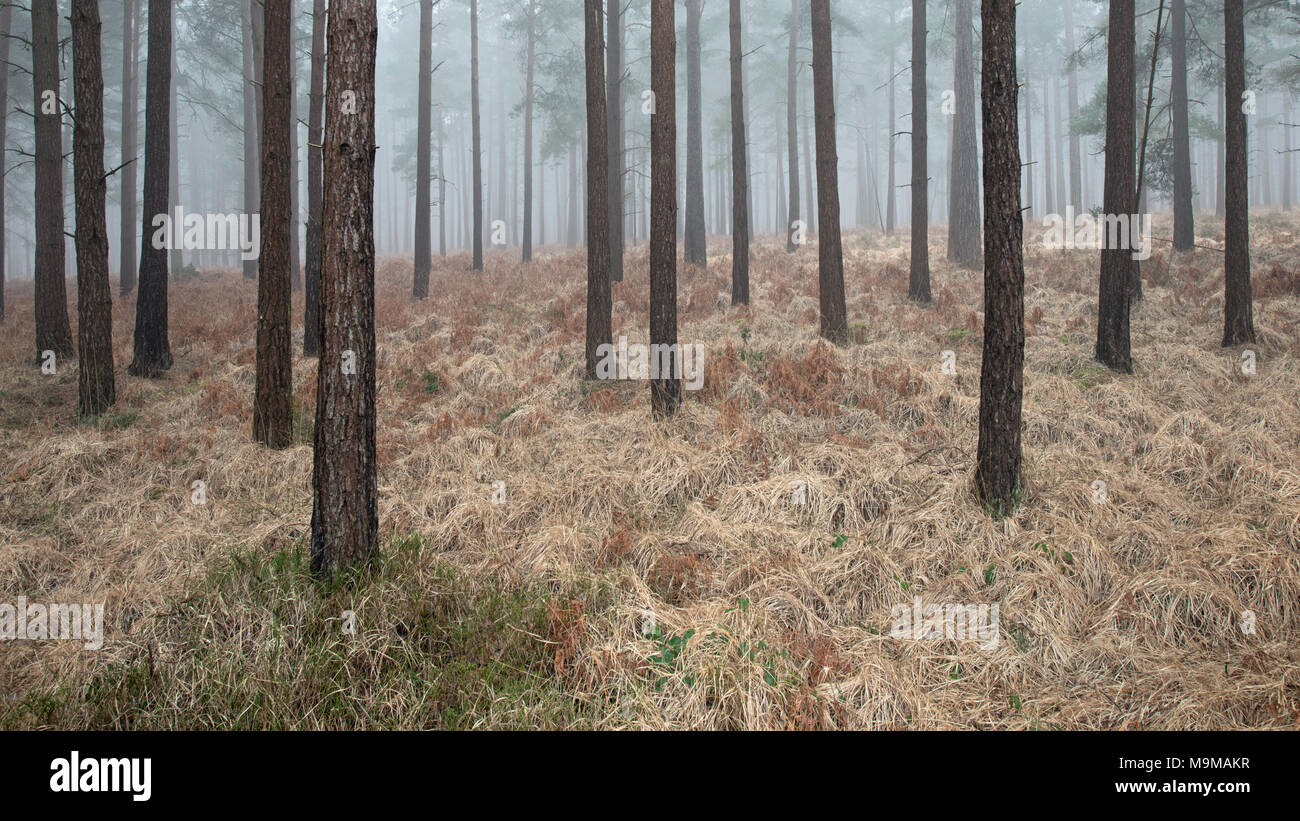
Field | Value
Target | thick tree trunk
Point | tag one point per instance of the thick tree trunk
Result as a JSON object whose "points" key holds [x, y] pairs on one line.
{"points": [[1184, 218], [345, 509], [176, 259], [423, 159], [997, 473], [477, 138], [919, 282], [295, 207], [529, 93], [792, 125], [1238, 310], [963, 187], [830, 270], [599, 319], [696, 246], [1117, 273], [617, 151], [1076, 154], [252, 153], [127, 262], [315, 159], [666, 390], [740, 168], [95, 387], [53, 333], [272, 407], [6, 22]]}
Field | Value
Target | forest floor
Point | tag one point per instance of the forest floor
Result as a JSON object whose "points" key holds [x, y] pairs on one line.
{"points": [[736, 567]]}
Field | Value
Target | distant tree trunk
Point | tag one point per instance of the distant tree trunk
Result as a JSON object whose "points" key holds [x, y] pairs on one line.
{"points": [[1062, 195], [696, 246], [423, 160], [130, 149], [315, 159], [477, 139], [666, 390], [1113, 348], [1076, 155], [740, 168], [176, 260], [997, 474], [6, 21], [1049, 190], [1184, 219], [252, 152], [272, 408], [1288, 174], [571, 222], [1029, 146], [1221, 186], [442, 187], [830, 271], [792, 125], [1238, 310], [345, 509], [964, 188], [529, 93], [891, 208], [919, 282], [95, 387], [599, 319], [810, 194], [616, 157], [53, 333]]}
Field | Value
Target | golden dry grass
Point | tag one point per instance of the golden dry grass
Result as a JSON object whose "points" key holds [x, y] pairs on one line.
{"points": [[1120, 615]]}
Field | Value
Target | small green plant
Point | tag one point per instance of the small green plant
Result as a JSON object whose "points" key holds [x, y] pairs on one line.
{"points": [[431, 384]]}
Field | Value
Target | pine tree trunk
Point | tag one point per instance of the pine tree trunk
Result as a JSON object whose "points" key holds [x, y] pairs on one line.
{"points": [[1221, 182], [127, 262], [740, 168], [176, 259], [529, 93], [53, 333], [696, 249], [295, 207], [599, 307], [792, 125], [477, 138], [617, 147], [345, 511], [315, 159], [95, 387], [442, 187], [423, 158], [1076, 154], [1238, 310], [272, 407], [919, 282], [252, 152], [1113, 349], [964, 189], [997, 474], [830, 269], [1184, 219], [571, 222], [891, 208], [665, 391], [6, 21]]}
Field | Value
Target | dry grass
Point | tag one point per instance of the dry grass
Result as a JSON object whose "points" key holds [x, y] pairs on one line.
{"points": [[1122, 615]]}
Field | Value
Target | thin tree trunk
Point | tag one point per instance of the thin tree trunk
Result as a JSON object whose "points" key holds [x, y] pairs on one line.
{"points": [[53, 333], [96, 391], [252, 154], [617, 147], [423, 162], [666, 389], [1184, 218], [891, 208], [571, 222], [1238, 310], [1113, 348], [176, 260], [315, 159], [696, 246], [1221, 182], [529, 93], [127, 262], [345, 511], [476, 149], [6, 21], [792, 126], [919, 282], [442, 187], [830, 270], [1076, 153], [740, 168], [599, 308], [295, 207], [963, 188]]}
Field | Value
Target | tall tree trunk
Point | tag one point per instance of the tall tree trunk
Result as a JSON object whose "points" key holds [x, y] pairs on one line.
{"points": [[891, 208], [666, 390], [1029, 146], [599, 307], [53, 333], [6, 22], [423, 159], [130, 149], [792, 125], [1221, 182], [964, 188], [1062, 195], [571, 222], [997, 473], [315, 158], [919, 282], [696, 246], [1076, 154], [1288, 173], [617, 149], [1113, 349], [252, 153], [477, 138], [810, 194], [272, 411], [1049, 190], [740, 168], [295, 207], [1238, 309], [830, 270], [1184, 218], [442, 187], [529, 93], [176, 259], [95, 387], [345, 509]]}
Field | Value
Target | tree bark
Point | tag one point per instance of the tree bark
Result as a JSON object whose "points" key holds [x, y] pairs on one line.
{"points": [[95, 386], [176, 258], [830, 269], [529, 93], [599, 306], [272, 407], [423, 157], [963, 188], [1184, 218], [997, 474], [740, 168], [696, 245], [345, 511], [919, 282], [1076, 154], [792, 125], [127, 262], [53, 333], [617, 150], [476, 137], [315, 158], [6, 22], [1113, 349], [1238, 310], [252, 152], [666, 391]]}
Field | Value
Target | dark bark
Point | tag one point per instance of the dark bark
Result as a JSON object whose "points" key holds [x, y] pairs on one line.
{"points": [[599, 306], [964, 188], [998, 471], [295, 207], [476, 137], [919, 281], [1113, 349], [665, 392], [830, 269], [1238, 309], [739, 168], [614, 128], [95, 387], [345, 504], [1184, 219], [792, 125], [696, 246], [315, 159], [127, 263], [272, 407], [529, 93], [423, 157], [53, 333]]}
